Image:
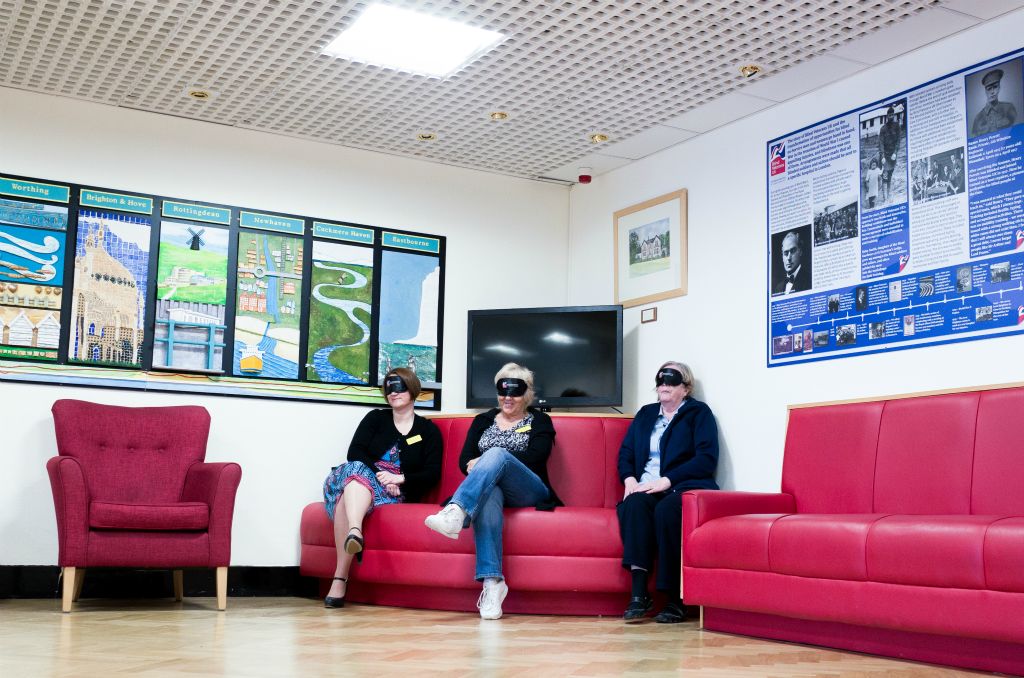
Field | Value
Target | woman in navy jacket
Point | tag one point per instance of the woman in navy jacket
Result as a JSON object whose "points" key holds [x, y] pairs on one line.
{"points": [[671, 447]]}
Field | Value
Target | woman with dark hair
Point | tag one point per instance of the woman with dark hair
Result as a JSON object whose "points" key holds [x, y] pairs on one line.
{"points": [[671, 447], [395, 456], [505, 461]]}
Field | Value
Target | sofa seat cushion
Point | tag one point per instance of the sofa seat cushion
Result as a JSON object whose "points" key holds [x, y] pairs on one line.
{"points": [[827, 546], [185, 515], [399, 527], [929, 550], [733, 542], [1004, 555], [569, 531]]}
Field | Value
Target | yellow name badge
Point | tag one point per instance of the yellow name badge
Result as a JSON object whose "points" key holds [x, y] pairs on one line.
{"points": [[523, 429], [413, 440]]}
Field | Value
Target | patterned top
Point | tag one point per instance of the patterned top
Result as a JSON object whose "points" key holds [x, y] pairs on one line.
{"points": [[514, 440]]}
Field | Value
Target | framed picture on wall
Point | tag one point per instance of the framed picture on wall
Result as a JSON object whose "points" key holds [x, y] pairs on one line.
{"points": [[650, 250]]}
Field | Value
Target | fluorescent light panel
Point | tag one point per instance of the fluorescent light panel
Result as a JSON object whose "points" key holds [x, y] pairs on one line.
{"points": [[410, 41]]}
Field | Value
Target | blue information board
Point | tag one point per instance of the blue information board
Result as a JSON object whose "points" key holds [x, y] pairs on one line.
{"points": [[900, 224]]}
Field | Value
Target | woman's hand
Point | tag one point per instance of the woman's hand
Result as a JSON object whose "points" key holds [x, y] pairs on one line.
{"points": [[662, 484], [385, 478], [631, 485], [393, 490], [471, 464]]}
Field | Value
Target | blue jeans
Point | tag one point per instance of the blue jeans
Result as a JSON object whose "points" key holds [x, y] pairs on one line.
{"points": [[497, 480]]}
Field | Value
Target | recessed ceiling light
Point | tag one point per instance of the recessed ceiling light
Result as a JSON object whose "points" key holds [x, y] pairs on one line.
{"points": [[598, 138], [411, 41], [499, 115], [200, 94], [426, 136], [749, 70]]}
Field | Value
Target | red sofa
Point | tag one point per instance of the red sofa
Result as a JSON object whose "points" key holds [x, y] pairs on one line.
{"points": [[899, 531], [568, 561]]}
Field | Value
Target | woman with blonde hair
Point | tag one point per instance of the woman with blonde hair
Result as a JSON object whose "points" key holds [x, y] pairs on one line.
{"points": [[505, 462], [394, 456]]}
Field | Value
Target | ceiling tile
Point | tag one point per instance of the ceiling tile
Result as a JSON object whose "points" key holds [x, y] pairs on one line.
{"points": [[984, 9], [718, 112], [802, 78], [564, 70], [900, 38], [649, 141]]}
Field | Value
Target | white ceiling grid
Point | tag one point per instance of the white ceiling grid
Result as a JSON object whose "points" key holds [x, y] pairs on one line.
{"points": [[565, 70]]}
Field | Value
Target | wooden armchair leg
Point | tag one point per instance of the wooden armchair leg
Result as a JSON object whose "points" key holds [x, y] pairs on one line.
{"points": [[222, 588], [179, 585], [79, 581], [69, 589]]}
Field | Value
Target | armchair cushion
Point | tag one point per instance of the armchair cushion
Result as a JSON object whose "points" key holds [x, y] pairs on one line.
{"points": [[186, 515]]}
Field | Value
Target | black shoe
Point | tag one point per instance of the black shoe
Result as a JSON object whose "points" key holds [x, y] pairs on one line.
{"points": [[330, 601], [354, 545], [673, 613], [638, 608]]}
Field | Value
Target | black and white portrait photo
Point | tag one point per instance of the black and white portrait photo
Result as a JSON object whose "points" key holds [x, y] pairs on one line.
{"points": [[791, 260], [995, 99]]}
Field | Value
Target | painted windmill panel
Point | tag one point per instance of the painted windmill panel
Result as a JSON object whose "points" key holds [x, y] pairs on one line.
{"points": [[191, 298]]}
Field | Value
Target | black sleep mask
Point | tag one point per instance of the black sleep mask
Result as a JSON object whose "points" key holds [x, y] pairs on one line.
{"points": [[510, 387], [394, 384], [669, 377]]}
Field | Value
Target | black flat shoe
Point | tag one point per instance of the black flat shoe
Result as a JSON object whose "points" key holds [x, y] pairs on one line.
{"points": [[354, 544], [673, 613], [330, 601], [638, 608]]}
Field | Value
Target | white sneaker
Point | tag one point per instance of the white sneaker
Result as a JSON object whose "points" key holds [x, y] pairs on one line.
{"points": [[491, 598], [448, 521]]}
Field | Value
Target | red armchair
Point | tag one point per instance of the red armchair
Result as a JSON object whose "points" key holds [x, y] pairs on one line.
{"points": [[131, 489]]}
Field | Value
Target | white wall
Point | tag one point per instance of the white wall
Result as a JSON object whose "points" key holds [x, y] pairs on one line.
{"points": [[285, 449], [720, 327]]}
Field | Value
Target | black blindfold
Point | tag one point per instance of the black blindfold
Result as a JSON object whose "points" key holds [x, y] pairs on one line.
{"points": [[394, 384], [511, 387], [668, 377]]}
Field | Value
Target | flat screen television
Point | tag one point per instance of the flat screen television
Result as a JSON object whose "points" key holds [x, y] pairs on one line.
{"points": [[575, 353]]}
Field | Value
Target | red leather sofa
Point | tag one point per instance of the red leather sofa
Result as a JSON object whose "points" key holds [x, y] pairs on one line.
{"points": [[899, 531], [568, 561]]}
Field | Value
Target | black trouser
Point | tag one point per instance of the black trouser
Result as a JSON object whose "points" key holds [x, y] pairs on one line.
{"points": [[649, 524]]}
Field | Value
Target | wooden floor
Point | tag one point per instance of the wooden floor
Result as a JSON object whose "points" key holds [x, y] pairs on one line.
{"points": [[298, 637]]}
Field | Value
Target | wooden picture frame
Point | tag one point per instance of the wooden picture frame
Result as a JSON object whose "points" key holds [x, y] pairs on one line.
{"points": [[651, 250]]}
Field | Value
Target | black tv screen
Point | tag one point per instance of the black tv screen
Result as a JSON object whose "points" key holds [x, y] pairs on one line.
{"points": [[575, 353]]}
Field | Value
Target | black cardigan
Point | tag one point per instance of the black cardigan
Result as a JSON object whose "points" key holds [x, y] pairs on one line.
{"points": [[535, 456], [689, 446], [421, 459]]}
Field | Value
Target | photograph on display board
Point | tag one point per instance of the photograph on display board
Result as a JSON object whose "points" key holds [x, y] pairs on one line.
{"points": [[883, 155], [836, 220], [938, 176], [791, 260], [191, 297], [31, 255], [409, 300], [268, 305], [108, 302], [37, 215], [995, 98], [340, 313]]}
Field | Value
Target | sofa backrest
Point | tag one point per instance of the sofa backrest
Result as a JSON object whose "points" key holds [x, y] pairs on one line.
{"points": [[954, 453], [132, 454], [582, 467]]}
